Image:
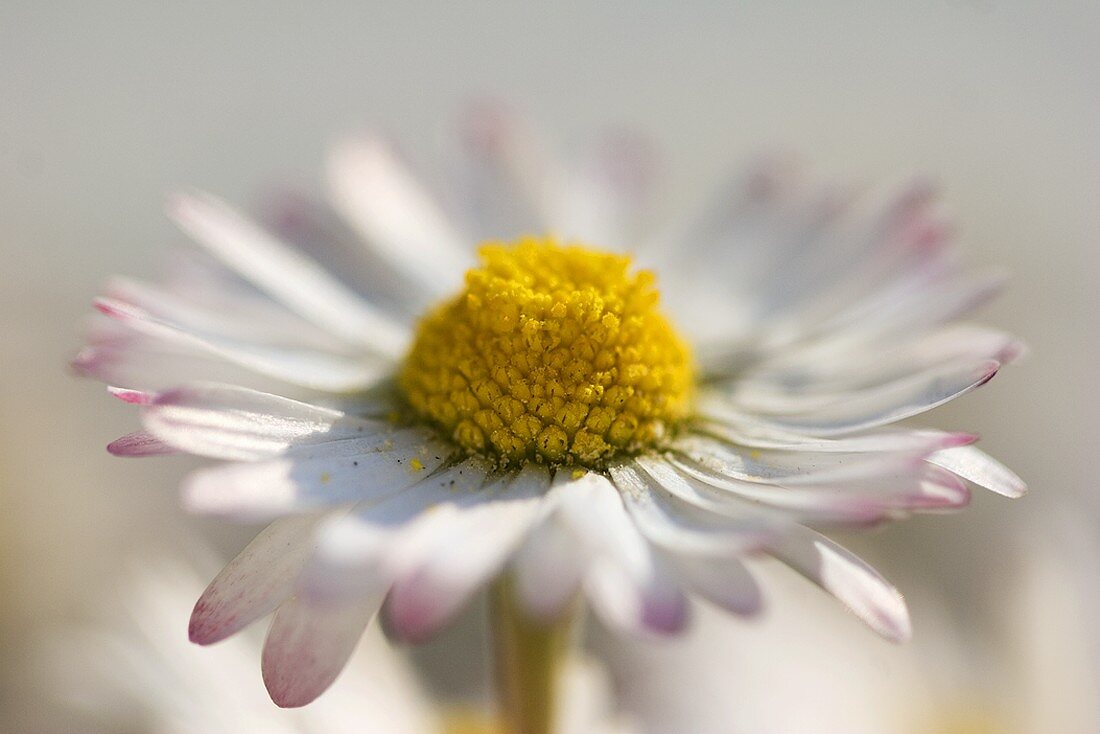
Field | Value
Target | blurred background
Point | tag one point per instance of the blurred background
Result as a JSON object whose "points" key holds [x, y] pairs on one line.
{"points": [[108, 106]]}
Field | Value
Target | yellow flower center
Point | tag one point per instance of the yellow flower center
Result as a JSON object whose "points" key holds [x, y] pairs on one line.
{"points": [[552, 353]]}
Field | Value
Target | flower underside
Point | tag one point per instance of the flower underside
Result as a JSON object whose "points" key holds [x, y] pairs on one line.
{"points": [[551, 353]]}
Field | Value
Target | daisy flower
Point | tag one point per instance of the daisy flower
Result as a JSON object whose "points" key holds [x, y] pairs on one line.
{"points": [[419, 414]]}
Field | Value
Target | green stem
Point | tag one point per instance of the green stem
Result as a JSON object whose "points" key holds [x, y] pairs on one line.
{"points": [[528, 656]]}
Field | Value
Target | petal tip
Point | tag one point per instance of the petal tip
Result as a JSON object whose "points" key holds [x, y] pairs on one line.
{"points": [[892, 621], [134, 397], [286, 695], [201, 630], [667, 619]]}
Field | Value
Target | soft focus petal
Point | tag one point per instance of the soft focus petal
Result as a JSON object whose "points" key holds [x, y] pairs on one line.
{"points": [[284, 273], [323, 370], [858, 586], [841, 414], [973, 464], [365, 550], [227, 422], [308, 645], [725, 582], [316, 476], [382, 199], [677, 526], [464, 556], [630, 587], [255, 582], [140, 443]]}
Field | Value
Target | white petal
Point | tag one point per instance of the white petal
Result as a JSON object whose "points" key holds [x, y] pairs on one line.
{"points": [[464, 555], [880, 406], [858, 586], [364, 551], [310, 368], [797, 467], [912, 305], [975, 465], [144, 362], [765, 505], [246, 316], [743, 430], [140, 443], [856, 500], [641, 602], [382, 199], [316, 476], [862, 248], [548, 569], [229, 422], [756, 222], [682, 528], [518, 185], [309, 643], [725, 582], [607, 192], [256, 581], [628, 585], [821, 368], [286, 274]]}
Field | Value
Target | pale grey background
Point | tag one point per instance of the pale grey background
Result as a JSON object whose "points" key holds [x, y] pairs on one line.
{"points": [[106, 106]]}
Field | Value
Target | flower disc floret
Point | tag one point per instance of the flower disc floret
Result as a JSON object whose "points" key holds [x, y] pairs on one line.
{"points": [[552, 353]]}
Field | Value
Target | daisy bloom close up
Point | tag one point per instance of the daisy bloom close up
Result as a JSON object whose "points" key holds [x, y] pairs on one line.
{"points": [[426, 395]]}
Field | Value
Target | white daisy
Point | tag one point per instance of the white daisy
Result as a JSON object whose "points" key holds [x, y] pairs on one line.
{"points": [[135, 672], [417, 419]]}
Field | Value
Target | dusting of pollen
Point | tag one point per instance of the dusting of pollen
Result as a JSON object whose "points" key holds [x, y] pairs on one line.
{"points": [[551, 353]]}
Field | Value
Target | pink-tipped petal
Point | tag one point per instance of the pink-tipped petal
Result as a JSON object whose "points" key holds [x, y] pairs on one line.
{"points": [[382, 537], [429, 592], [976, 466], [315, 476], [284, 273], [308, 367], [843, 414], [678, 526], [380, 197], [548, 569], [629, 586], [138, 444], [308, 644], [134, 397], [858, 586], [228, 422], [255, 582], [724, 582]]}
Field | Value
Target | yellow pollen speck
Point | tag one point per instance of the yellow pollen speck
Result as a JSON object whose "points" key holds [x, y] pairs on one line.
{"points": [[551, 353], [578, 473], [326, 478], [417, 465]]}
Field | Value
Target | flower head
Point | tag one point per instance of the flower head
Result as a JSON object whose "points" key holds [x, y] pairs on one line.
{"points": [[413, 435]]}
